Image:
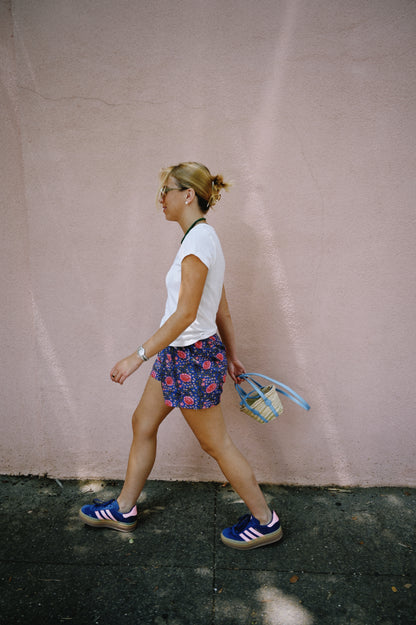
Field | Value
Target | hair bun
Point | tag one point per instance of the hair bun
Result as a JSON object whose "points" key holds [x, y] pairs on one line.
{"points": [[217, 183]]}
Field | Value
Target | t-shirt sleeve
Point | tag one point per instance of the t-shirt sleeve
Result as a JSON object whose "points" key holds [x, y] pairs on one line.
{"points": [[199, 242]]}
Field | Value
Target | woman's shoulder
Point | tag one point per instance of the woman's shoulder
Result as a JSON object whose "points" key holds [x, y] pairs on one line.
{"points": [[203, 232], [201, 240], [204, 236]]}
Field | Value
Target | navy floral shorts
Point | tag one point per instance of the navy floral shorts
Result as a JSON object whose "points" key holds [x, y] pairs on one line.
{"points": [[192, 376]]}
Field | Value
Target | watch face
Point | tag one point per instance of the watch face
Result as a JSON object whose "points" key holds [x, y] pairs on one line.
{"points": [[142, 353]]}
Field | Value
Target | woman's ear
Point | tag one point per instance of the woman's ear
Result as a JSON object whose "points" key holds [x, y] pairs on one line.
{"points": [[189, 195]]}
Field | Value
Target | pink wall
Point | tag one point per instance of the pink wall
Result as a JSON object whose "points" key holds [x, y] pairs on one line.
{"points": [[309, 108]]}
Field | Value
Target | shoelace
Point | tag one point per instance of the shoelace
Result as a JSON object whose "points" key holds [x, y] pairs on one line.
{"points": [[242, 523], [100, 502]]}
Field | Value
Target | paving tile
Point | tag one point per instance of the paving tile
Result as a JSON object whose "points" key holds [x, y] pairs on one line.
{"points": [[347, 557], [269, 598], [332, 531], [48, 594], [48, 527]]}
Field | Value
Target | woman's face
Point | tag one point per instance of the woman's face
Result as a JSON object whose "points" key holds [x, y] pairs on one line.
{"points": [[172, 199]]}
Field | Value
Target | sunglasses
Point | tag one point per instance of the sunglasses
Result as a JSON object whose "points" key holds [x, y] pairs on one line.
{"points": [[165, 190]]}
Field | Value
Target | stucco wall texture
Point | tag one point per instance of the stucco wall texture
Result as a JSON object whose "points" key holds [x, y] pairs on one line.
{"points": [[308, 106]]}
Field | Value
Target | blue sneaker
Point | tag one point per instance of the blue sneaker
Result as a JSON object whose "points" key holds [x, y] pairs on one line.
{"points": [[107, 514], [249, 534]]}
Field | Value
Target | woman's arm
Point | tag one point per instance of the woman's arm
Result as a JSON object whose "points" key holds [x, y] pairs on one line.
{"points": [[226, 330], [193, 276]]}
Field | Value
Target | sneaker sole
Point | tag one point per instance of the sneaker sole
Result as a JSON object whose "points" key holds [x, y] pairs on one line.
{"points": [[114, 525], [243, 545]]}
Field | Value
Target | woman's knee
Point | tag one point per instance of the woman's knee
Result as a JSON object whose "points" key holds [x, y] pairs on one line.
{"points": [[151, 410], [142, 425], [216, 447]]}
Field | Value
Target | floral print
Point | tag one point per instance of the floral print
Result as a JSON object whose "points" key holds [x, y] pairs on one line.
{"points": [[192, 376]]}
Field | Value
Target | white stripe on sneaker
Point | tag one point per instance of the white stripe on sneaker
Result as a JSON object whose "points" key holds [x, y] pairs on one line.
{"points": [[104, 515], [250, 534], [252, 531]]}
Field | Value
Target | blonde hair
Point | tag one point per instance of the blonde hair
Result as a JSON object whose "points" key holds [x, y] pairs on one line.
{"points": [[191, 175]]}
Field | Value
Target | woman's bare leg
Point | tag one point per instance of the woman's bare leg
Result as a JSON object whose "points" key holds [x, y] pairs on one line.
{"points": [[147, 418], [209, 428]]}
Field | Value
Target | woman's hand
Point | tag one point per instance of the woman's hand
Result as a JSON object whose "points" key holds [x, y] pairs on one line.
{"points": [[121, 371], [235, 369]]}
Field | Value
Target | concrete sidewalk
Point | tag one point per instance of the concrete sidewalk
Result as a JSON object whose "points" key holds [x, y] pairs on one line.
{"points": [[347, 557]]}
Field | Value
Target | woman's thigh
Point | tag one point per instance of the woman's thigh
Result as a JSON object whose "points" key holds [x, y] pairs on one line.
{"points": [[151, 410], [209, 428]]}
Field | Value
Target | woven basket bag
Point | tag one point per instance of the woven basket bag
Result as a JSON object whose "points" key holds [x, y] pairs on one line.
{"points": [[263, 403]]}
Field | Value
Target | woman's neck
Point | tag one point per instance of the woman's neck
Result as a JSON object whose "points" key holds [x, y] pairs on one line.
{"points": [[194, 223], [189, 217]]}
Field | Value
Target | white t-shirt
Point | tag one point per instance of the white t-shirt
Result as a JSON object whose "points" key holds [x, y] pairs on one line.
{"points": [[201, 241]]}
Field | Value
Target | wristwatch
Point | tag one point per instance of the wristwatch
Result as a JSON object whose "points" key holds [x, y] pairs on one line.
{"points": [[141, 353]]}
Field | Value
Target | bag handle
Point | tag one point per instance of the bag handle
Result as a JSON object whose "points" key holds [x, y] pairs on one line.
{"points": [[257, 388], [279, 386]]}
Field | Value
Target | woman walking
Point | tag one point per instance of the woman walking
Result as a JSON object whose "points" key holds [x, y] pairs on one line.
{"points": [[194, 346]]}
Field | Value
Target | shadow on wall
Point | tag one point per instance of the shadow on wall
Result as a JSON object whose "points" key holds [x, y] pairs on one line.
{"points": [[269, 295], [269, 301]]}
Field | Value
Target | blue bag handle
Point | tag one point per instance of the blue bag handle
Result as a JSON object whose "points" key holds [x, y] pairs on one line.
{"points": [[257, 387], [279, 386]]}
